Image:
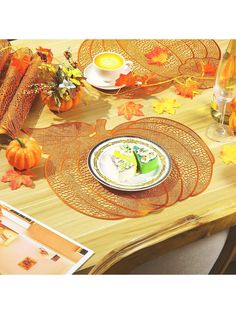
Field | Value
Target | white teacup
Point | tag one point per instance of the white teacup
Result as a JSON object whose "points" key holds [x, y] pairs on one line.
{"points": [[109, 65]]}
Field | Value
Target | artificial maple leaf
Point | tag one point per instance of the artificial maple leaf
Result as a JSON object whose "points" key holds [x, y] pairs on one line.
{"points": [[126, 79], [131, 79], [187, 89], [18, 178], [45, 54], [165, 105], [207, 69], [157, 56], [21, 64], [142, 79], [130, 109], [228, 153]]}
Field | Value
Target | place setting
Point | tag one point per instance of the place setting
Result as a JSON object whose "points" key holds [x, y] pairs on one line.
{"points": [[117, 143], [139, 166]]}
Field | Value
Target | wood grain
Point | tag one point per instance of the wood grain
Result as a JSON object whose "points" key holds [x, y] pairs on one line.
{"points": [[112, 240]]}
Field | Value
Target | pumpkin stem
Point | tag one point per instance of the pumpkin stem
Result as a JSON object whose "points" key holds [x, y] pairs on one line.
{"points": [[20, 142]]}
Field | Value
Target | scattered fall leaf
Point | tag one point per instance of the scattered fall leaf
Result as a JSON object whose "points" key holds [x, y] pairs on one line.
{"points": [[18, 178], [126, 79], [45, 54], [187, 89], [130, 109], [21, 64], [165, 105], [228, 153], [157, 56], [142, 79], [207, 69], [131, 79]]}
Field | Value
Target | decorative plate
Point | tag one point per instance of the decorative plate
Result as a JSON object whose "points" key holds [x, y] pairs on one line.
{"points": [[100, 163]]}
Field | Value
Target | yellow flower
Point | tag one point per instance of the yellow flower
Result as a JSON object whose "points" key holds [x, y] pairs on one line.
{"points": [[165, 105], [228, 153], [72, 74], [48, 67]]}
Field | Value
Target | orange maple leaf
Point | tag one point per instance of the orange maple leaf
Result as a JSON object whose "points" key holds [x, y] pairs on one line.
{"points": [[157, 56], [21, 64], [207, 69], [130, 109], [126, 79], [187, 89], [131, 79], [142, 79], [45, 54], [18, 178]]}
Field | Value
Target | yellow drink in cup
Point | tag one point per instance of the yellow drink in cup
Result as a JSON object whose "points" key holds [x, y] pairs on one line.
{"points": [[109, 61], [109, 65]]}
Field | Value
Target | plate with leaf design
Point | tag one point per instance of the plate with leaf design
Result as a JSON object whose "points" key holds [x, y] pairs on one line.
{"points": [[129, 163]]}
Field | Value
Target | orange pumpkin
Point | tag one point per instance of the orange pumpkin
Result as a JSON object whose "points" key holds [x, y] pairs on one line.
{"points": [[65, 104], [23, 154]]}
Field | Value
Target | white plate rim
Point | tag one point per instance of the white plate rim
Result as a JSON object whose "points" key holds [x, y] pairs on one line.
{"points": [[91, 169]]}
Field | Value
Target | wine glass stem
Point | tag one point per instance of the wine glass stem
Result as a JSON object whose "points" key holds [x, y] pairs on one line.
{"points": [[223, 113]]}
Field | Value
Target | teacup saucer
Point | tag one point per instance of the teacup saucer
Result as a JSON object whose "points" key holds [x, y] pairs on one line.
{"points": [[94, 79]]}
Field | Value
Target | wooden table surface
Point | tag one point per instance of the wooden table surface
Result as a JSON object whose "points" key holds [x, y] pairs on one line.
{"points": [[199, 216]]}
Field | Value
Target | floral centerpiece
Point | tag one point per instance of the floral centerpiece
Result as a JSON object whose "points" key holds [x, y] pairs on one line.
{"points": [[60, 87]]}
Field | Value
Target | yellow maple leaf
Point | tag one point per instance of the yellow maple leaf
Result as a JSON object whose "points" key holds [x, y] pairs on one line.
{"points": [[228, 153], [187, 89], [168, 105]]}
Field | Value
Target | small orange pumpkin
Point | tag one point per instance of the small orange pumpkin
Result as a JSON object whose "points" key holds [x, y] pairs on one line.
{"points": [[23, 154], [65, 104]]}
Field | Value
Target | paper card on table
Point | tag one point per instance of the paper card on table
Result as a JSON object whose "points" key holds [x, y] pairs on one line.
{"points": [[29, 247]]}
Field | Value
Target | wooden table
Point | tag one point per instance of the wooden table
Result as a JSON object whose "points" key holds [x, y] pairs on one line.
{"points": [[194, 218]]}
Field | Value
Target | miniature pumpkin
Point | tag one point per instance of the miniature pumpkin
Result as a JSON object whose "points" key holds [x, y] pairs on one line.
{"points": [[23, 154], [65, 104]]}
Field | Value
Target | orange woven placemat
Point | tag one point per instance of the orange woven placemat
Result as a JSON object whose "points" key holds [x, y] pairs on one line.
{"points": [[185, 58], [68, 175]]}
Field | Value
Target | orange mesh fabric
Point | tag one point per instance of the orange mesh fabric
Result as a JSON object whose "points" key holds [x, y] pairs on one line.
{"points": [[67, 173], [21, 103], [11, 81], [4, 53], [184, 59], [200, 153], [183, 159]]}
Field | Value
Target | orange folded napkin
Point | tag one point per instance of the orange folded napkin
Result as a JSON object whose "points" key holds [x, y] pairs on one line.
{"points": [[19, 63], [4, 52], [21, 103]]}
